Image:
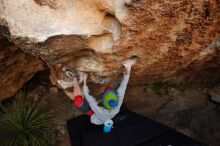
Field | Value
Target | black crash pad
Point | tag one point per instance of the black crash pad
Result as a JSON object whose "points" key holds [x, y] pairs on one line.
{"points": [[130, 129]]}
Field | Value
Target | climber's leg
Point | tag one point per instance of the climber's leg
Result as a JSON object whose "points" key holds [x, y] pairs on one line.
{"points": [[79, 101], [76, 95], [76, 88]]}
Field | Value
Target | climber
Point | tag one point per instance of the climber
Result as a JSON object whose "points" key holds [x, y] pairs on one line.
{"points": [[111, 99]]}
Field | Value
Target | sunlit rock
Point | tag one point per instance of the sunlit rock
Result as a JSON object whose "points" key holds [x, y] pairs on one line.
{"points": [[175, 40]]}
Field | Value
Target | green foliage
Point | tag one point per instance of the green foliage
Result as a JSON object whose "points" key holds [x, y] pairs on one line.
{"points": [[208, 83], [159, 86], [27, 123], [2, 110]]}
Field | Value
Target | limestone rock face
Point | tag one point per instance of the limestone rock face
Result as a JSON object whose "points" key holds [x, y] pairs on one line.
{"points": [[171, 37], [16, 68], [175, 40]]}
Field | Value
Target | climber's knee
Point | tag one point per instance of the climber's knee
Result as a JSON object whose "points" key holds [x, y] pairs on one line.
{"points": [[78, 101], [83, 105]]}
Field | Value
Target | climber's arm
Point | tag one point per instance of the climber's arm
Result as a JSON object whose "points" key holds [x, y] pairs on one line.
{"points": [[122, 88], [90, 99]]}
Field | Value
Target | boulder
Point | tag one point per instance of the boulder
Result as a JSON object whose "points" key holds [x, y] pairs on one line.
{"points": [[215, 95], [175, 40], [17, 67]]}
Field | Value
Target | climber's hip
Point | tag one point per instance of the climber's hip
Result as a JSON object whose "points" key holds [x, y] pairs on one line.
{"points": [[83, 105]]}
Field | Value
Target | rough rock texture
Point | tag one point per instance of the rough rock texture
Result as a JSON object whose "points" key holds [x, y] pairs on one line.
{"points": [[146, 100], [16, 68], [175, 40], [171, 37]]}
